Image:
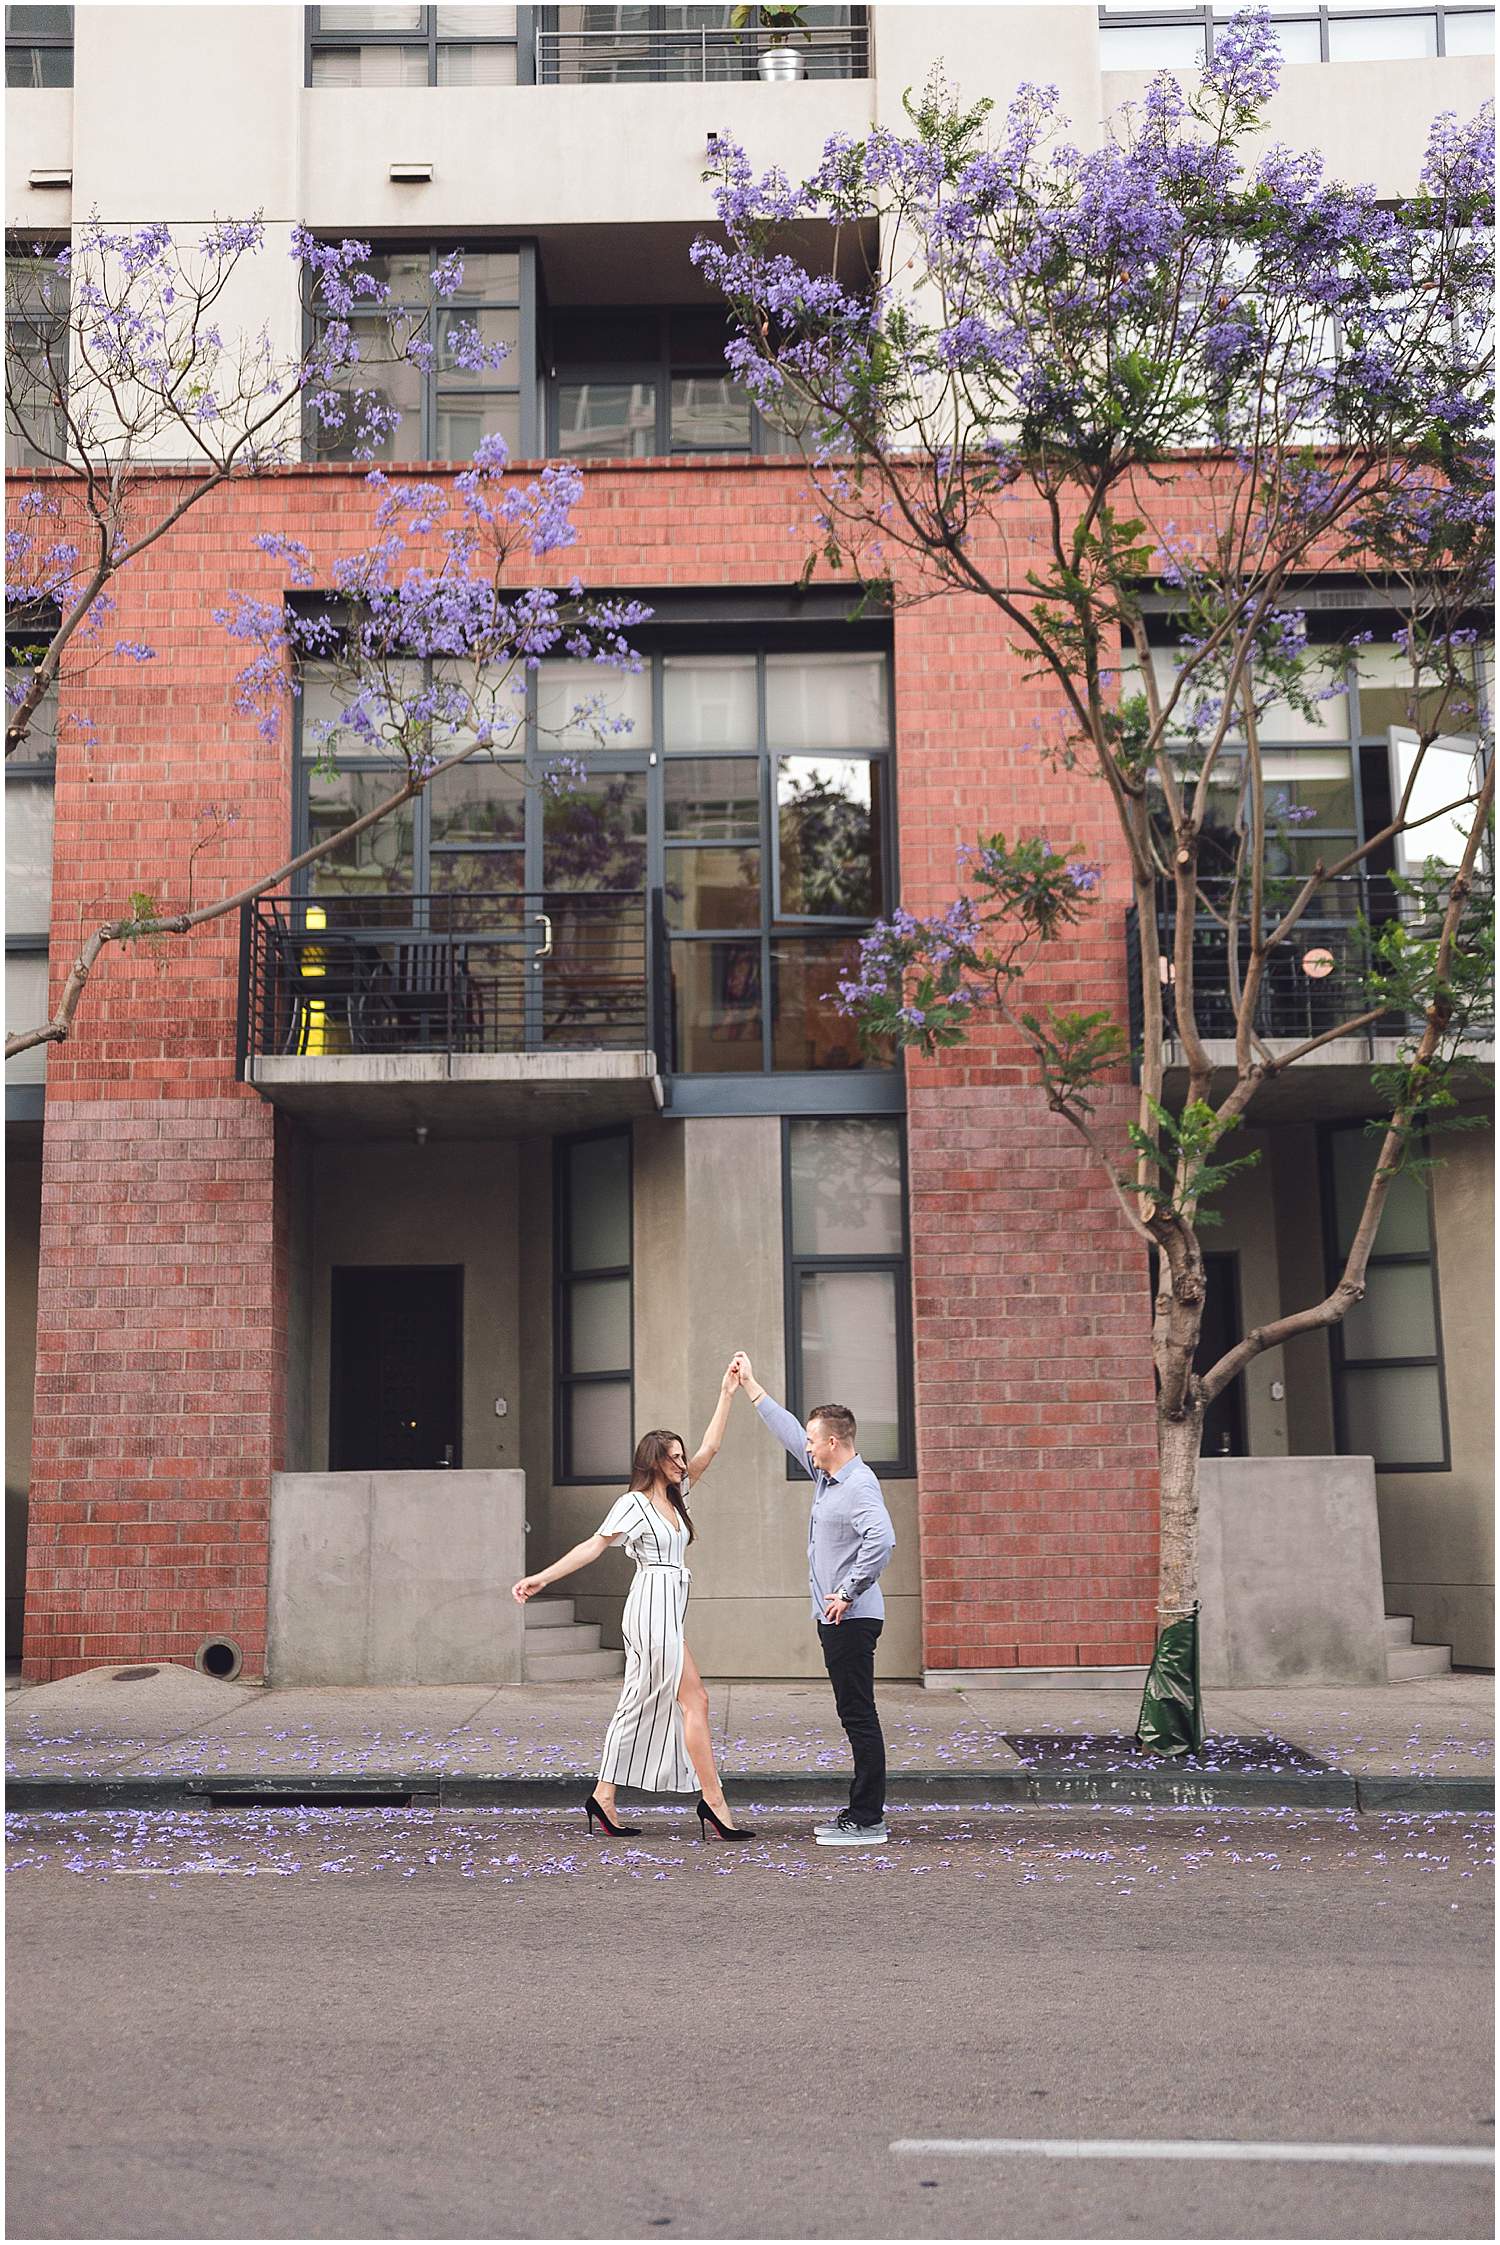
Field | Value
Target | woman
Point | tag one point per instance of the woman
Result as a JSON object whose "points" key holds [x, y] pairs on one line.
{"points": [[658, 1735]]}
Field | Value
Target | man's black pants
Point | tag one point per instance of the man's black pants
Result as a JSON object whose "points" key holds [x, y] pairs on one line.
{"points": [[849, 1656]]}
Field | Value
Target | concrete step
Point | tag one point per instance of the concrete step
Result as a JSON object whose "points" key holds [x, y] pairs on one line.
{"points": [[1398, 1629], [1404, 1663], [573, 1668], [549, 1613], [551, 1644]]}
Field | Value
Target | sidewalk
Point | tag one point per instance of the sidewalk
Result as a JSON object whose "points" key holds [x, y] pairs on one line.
{"points": [[160, 1737]]}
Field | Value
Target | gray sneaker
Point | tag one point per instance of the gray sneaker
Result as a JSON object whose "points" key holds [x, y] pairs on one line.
{"points": [[844, 1832]]}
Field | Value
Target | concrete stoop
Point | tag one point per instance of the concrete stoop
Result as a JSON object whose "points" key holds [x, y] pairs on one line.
{"points": [[1404, 1660], [560, 1649]]}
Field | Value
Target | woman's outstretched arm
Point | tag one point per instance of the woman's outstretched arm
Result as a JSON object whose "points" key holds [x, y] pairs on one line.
{"points": [[593, 1547], [713, 1433]]}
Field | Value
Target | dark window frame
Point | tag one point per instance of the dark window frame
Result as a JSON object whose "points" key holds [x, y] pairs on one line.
{"points": [[36, 771], [661, 370], [316, 40], [1203, 17], [524, 385], [1339, 1362], [564, 1275], [795, 1264], [38, 43]]}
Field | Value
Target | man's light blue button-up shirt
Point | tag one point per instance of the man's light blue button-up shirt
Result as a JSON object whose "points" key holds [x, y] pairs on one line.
{"points": [[849, 1532]]}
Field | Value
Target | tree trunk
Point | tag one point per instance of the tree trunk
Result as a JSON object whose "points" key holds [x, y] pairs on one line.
{"points": [[1178, 1442]]}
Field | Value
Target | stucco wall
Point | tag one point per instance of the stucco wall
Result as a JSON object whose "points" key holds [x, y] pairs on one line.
{"points": [[441, 1203]]}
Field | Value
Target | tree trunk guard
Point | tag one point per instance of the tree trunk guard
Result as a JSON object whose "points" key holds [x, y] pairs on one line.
{"points": [[1171, 1717]]}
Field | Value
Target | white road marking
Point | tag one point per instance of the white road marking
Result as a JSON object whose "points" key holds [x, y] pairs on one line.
{"points": [[1062, 2147]]}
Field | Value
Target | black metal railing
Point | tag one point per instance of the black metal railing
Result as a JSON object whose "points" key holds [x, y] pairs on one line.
{"points": [[687, 56], [1315, 981], [549, 970]]}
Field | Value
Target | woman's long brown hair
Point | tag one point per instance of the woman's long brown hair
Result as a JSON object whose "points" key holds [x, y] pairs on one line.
{"points": [[650, 1466]]}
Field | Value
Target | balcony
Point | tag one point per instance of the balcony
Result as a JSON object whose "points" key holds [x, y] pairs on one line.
{"points": [[684, 55], [1315, 982], [458, 1013]]}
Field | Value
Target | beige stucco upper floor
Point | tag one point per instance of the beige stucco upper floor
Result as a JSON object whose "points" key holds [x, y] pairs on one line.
{"points": [[188, 112]]}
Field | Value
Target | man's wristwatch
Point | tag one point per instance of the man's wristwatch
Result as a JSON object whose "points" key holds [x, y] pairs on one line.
{"points": [[848, 1596]]}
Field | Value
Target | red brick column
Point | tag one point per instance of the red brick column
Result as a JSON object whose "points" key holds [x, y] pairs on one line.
{"points": [[160, 1378], [1035, 1433]]}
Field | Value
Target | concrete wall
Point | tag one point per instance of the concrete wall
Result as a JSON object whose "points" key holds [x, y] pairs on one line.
{"points": [[708, 1280], [388, 1202], [1289, 1572], [1437, 1530], [395, 1578], [23, 1231]]}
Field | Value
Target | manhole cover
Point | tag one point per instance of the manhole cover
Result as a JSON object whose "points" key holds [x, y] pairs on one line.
{"points": [[1117, 1750], [132, 1675]]}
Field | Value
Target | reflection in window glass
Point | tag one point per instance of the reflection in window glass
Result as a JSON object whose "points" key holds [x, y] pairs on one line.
{"points": [[369, 66], [807, 1029], [588, 705], [372, 863], [599, 1326], [709, 414], [598, 1440], [712, 798], [828, 819], [593, 1337], [1396, 1317], [594, 836], [1404, 1226], [26, 1007], [28, 854], [1150, 46], [713, 888], [1394, 1414], [849, 1352], [1381, 38], [846, 1187], [826, 701], [606, 420], [709, 701], [598, 1176], [461, 422], [717, 993], [1470, 34]]}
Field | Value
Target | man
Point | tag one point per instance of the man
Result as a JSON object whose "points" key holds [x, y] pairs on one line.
{"points": [[849, 1540]]}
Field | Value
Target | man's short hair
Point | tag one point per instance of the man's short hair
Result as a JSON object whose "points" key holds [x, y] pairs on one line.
{"points": [[838, 1419]]}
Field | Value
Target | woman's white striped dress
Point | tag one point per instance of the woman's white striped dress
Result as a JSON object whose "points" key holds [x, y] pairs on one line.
{"points": [[644, 1745]]}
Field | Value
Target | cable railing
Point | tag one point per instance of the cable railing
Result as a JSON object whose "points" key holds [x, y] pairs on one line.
{"points": [[456, 972], [701, 56]]}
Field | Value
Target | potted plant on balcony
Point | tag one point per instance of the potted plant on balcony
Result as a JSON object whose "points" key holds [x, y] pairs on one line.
{"points": [[780, 60]]}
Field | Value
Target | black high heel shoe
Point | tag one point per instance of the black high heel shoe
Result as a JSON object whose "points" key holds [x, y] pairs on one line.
{"points": [[615, 1831], [725, 1831]]}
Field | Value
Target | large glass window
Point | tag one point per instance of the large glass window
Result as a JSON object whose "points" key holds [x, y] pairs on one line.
{"points": [[29, 776], [444, 410], [642, 45], [647, 383], [592, 1328], [1387, 1354], [39, 46], [848, 1307], [776, 839], [1133, 37], [412, 46], [36, 352]]}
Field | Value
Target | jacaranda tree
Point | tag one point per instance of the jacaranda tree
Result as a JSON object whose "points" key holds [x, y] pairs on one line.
{"points": [[1052, 355], [120, 368]]}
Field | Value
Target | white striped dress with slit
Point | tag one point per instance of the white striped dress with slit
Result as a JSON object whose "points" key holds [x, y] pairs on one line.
{"points": [[644, 1744]]}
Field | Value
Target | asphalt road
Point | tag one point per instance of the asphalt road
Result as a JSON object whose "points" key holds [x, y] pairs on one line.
{"points": [[379, 2024]]}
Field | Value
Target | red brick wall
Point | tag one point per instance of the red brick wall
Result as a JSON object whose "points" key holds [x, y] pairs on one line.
{"points": [[165, 1248], [1033, 1383]]}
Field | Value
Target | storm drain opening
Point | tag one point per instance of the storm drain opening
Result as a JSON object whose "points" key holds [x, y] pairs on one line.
{"points": [[257, 1796]]}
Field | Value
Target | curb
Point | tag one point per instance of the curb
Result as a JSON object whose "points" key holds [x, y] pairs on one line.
{"points": [[1167, 1788]]}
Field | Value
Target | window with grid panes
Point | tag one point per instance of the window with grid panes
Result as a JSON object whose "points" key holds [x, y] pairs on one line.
{"points": [[1389, 1403], [594, 1410], [36, 351], [444, 409], [413, 46], [39, 46], [646, 383], [1132, 37], [776, 838], [847, 1304], [29, 784]]}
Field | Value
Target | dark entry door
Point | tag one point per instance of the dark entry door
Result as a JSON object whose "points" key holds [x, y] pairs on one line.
{"points": [[396, 1358]]}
